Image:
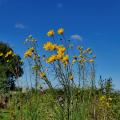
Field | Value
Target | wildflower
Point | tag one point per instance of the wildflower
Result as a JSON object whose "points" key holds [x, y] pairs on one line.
{"points": [[61, 49], [29, 52], [51, 59], [42, 75], [1, 54], [60, 31], [104, 103], [59, 56], [102, 98], [65, 59], [50, 33], [49, 46]]}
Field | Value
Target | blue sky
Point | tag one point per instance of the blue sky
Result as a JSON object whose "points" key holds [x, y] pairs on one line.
{"points": [[96, 21]]}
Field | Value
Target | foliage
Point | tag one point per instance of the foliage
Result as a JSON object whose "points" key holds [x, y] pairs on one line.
{"points": [[10, 67]]}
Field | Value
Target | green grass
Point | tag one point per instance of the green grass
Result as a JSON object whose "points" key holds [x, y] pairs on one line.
{"points": [[32, 106]]}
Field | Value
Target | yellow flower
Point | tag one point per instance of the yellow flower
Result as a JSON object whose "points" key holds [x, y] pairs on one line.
{"points": [[60, 31], [103, 98], [1, 54], [104, 102], [50, 33], [29, 52], [61, 49], [91, 60], [59, 56], [51, 59], [65, 59], [49, 46], [42, 75]]}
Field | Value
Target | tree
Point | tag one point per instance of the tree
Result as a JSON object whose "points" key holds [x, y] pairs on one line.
{"points": [[10, 67]]}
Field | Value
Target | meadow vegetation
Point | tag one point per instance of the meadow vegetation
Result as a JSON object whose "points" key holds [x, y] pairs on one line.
{"points": [[64, 83]]}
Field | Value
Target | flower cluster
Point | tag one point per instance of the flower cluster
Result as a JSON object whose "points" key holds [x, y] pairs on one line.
{"points": [[30, 39], [105, 102], [84, 56], [49, 46], [60, 53]]}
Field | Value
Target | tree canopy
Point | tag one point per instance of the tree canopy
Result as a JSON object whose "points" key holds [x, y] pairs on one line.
{"points": [[10, 67]]}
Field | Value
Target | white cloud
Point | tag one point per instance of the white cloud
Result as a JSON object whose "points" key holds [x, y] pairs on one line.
{"points": [[76, 37], [59, 5], [20, 26]]}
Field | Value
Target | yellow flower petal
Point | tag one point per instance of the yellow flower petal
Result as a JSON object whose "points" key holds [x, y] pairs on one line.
{"points": [[50, 33], [60, 31]]}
